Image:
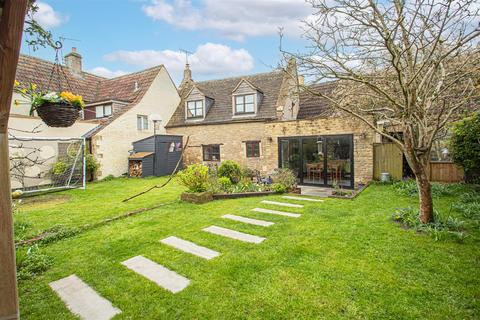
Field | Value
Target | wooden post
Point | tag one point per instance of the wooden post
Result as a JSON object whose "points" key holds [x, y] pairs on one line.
{"points": [[12, 18]]}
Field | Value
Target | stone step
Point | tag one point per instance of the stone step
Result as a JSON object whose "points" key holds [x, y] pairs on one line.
{"points": [[280, 213], [190, 247], [82, 300], [157, 273], [284, 204], [237, 235], [302, 199], [256, 222]]}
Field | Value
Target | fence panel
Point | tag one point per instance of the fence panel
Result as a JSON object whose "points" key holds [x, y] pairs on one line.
{"points": [[387, 158], [445, 172]]}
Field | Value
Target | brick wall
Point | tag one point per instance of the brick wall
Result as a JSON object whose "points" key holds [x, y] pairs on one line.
{"points": [[232, 137]]}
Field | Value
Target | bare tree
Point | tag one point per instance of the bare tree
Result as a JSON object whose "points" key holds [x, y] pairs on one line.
{"points": [[409, 65]]}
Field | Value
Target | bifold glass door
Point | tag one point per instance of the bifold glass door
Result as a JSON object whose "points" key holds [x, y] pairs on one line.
{"points": [[319, 160]]}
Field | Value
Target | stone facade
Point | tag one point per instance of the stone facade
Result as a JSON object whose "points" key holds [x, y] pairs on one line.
{"points": [[232, 138]]}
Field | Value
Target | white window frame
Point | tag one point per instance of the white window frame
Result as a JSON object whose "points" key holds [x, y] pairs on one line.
{"points": [[103, 113], [142, 122], [195, 102]]}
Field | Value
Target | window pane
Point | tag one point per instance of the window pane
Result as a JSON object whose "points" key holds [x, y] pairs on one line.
{"points": [[99, 112], [108, 110], [239, 99], [249, 98], [139, 123], [145, 122], [250, 107], [253, 149]]}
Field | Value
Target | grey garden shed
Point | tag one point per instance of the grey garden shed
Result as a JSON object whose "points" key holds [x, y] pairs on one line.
{"points": [[155, 156]]}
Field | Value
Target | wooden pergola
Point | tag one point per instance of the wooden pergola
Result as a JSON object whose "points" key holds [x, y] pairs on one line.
{"points": [[12, 18]]}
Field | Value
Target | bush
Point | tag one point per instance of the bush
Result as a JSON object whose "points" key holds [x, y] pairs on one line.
{"points": [[279, 188], [441, 228], [31, 263], [225, 184], [231, 170], [285, 177], [194, 177], [469, 205], [409, 188], [91, 164], [59, 168], [465, 148]]}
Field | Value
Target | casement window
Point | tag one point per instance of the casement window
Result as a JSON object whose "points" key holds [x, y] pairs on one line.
{"points": [[245, 104], [253, 149], [103, 111], [211, 152], [195, 109], [142, 122]]}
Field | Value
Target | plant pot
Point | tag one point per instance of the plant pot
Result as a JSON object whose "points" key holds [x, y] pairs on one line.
{"points": [[58, 114], [198, 198]]}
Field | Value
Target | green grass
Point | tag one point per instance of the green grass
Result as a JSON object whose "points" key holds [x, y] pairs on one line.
{"points": [[101, 200], [341, 259]]}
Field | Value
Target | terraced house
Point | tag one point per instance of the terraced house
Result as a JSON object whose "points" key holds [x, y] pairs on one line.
{"points": [[117, 112], [264, 122]]}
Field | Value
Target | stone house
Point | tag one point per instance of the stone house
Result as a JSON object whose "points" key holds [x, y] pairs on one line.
{"points": [[118, 111], [264, 122]]}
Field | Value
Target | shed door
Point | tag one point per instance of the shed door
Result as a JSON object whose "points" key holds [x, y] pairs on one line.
{"points": [[388, 158]]}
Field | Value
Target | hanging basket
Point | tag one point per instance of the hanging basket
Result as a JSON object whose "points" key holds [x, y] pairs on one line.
{"points": [[58, 114]]}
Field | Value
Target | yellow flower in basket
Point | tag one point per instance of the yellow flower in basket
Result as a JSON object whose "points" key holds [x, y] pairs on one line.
{"points": [[75, 100]]}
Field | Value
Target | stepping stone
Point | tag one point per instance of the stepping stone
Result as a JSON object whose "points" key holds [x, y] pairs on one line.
{"points": [[237, 235], [256, 222], [82, 300], [302, 199], [280, 213], [157, 273], [190, 247], [283, 204]]}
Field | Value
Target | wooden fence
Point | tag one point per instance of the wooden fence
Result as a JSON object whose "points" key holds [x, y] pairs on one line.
{"points": [[389, 158]]}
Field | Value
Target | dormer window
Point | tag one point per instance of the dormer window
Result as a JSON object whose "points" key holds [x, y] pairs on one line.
{"points": [[245, 104], [103, 111], [195, 109]]}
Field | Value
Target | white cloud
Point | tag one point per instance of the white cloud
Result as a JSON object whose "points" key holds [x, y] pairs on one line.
{"points": [[107, 73], [209, 59], [235, 19], [47, 17]]}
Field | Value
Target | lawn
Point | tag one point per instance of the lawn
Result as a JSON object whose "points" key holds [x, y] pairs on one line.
{"points": [[341, 259]]}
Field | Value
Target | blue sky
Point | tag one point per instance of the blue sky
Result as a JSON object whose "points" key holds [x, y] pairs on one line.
{"points": [[226, 37]]}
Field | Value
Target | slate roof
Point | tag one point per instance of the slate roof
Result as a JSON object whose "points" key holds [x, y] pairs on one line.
{"points": [[313, 106], [221, 91], [91, 87]]}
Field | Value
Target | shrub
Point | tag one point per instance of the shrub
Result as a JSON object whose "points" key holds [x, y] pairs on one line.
{"points": [[441, 228], [231, 170], [91, 164], [110, 177], [194, 177], [59, 168], [465, 148], [225, 184], [279, 188], [469, 205], [285, 177], [249, 173], [31, 262], [409, 188]]}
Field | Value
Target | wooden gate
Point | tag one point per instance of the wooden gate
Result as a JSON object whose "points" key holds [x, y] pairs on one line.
{"points": [[387, 158]]}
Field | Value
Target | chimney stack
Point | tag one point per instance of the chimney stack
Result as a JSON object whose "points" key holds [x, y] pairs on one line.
{"points": [[73, 61], [187, 77]]}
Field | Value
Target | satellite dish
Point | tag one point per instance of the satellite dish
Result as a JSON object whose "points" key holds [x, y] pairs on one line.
{"points": [[155, 117]]}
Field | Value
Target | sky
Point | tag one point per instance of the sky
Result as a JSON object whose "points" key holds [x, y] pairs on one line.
{"points": [[225, 37]]}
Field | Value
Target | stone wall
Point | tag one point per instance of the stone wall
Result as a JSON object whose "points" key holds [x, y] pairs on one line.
{"points": [[232, 138]]}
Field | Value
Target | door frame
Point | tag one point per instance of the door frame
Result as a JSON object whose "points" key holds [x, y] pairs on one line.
{"points": [[325, 160]]}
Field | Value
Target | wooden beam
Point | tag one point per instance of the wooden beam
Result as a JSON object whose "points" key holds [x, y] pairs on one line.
{"points": [[11, 27]]}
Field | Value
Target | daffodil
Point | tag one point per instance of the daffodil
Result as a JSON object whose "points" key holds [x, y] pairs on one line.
{"points": [[34, 86], [16, 83]]}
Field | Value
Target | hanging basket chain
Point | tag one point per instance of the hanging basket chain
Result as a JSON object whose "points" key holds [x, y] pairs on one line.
{"points": [[57, 70]]}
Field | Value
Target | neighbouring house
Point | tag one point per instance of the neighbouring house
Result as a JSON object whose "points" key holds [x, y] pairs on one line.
{"points": [[263, 122], [118, 111]]}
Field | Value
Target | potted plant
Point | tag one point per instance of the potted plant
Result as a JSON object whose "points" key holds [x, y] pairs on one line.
{"points": [[56, 109]]}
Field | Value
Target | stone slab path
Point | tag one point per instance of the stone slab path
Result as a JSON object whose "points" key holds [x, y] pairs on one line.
{"points": [[280, 213], [255, 222], [190, 247], [284, 204], [157, 273], [302, 199], [82, 300], [237, 235]]}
